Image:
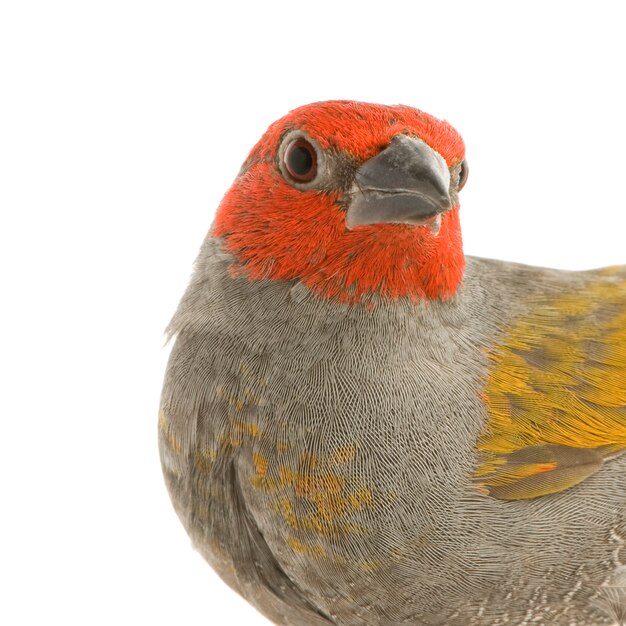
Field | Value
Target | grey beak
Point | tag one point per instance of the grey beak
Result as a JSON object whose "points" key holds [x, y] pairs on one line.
{"points": [[407, 183]]}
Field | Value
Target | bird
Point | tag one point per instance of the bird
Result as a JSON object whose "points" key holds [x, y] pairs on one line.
{"points": [[361, 425]]}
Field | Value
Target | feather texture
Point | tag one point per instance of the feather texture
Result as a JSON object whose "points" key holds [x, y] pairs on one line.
{"points": [[556, 394]]}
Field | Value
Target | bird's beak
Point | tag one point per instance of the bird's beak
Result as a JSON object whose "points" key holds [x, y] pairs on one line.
{"points": [[407, 183]]}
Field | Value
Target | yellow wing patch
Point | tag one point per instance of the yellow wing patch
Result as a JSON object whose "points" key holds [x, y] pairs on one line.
{"points": [[556, 393]]}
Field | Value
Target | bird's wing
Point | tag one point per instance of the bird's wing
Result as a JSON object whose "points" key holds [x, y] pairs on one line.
{"points": [[556, 392]]}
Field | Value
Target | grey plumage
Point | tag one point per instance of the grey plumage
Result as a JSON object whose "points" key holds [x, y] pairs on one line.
{"points": [[320, 455]]}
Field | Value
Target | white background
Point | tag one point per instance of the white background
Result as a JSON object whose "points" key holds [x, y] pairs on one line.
{"points": [[121, 126]]}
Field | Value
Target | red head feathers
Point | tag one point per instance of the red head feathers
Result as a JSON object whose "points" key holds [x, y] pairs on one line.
{"points": [[352, 199]]}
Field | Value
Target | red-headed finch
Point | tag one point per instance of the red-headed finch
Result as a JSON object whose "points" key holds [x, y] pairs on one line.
{"points": [[361, 426]]}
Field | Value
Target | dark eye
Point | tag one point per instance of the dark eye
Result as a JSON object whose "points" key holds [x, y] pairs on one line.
{"points": [[301, 161], [463, 174]]}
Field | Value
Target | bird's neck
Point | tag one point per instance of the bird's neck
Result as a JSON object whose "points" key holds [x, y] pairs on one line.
{"points": [[391, 261]]}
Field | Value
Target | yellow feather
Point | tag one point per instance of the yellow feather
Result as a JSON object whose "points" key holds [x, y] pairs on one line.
{"points": [[559, 375]]}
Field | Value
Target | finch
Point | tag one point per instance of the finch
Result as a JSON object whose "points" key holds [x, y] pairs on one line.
{"points": [[360, 425]]}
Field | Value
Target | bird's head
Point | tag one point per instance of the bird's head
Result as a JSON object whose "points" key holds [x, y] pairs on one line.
{"points": [[353, 200]]}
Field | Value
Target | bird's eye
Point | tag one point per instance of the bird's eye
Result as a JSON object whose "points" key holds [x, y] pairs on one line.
{"points": [[300, 161], [463, 173]]}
